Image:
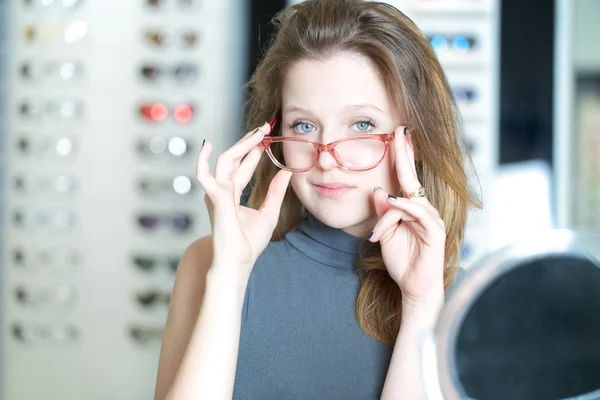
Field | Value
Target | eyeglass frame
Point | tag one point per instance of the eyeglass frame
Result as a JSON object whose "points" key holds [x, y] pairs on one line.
{"points": [[386, 138]]}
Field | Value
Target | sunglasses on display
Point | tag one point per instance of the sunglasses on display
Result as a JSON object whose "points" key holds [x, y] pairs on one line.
{"points": [[176, 222], [464, 95], [180, 185], [69, 33], [57, 260], [456, 43], [355, 153], [159, 147], [59, 220], [59, 334], [58, 148], [185, 38], [182, 5], [159, 112], [181, 74], [59, 296], [37, 71], [53, 4], [149, 263], [40, 109], [146, 334], [61, 185], [152, 298]]}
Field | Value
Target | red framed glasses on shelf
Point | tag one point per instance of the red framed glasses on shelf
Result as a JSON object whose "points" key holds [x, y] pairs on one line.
{"points": [[356, 153]]}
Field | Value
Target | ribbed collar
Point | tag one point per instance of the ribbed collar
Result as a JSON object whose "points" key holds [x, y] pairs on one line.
{"points": [[324, 244]]}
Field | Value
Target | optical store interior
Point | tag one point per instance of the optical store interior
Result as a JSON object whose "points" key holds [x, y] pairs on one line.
{"points": [[104, 106]]}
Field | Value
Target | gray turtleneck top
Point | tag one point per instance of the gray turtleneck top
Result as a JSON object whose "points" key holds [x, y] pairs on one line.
{"points": [[299, 336]]}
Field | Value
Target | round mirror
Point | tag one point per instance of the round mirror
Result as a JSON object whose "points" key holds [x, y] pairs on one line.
{"points": [[524, 323]]}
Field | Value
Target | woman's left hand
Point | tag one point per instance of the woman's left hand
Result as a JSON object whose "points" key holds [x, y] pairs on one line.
{"points": [[411, 233]]}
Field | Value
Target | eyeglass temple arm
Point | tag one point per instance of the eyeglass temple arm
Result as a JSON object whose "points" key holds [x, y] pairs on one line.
{"points": [[273, 122]]}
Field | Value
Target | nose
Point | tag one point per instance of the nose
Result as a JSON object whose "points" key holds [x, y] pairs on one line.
{"points": [[326, 160]]}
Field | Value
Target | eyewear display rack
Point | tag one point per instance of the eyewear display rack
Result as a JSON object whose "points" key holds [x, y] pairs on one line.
{"points": [[106, 106]]}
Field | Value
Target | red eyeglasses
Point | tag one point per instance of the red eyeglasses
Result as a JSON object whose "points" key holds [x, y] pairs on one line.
{"points": [[356, 153]]}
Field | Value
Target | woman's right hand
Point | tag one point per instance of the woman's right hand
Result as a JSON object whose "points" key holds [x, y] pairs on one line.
{"points": [[240, 233]]}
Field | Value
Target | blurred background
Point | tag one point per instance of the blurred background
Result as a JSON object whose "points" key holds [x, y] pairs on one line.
{"points": [[103, 107]]}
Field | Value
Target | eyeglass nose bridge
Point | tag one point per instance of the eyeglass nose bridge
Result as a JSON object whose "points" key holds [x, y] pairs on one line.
{"points": [[327, 148]]}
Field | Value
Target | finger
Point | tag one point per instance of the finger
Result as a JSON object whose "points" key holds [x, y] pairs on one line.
{"points": [[246, 170], [410, 153], [420, 212], [206, 180], [410, 150], [253, 131], [380, 202], [247, 135], [226, 162], [203, 175], [277, 189], [388, 222], [405, 164], [425, 202], [211, 210]]}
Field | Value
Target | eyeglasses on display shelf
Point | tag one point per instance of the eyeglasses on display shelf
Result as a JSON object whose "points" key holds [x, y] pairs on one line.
{"points": [[46, 5], [45, 334], [175, 222], [162, 38], [57, 220], [46, 148], [37, 71], [39, 110], [58, 297], [61, 185], [159, 187], [55, 261], [160, 147], [181, 5], [152, 298], [184, 74], [182, 113], [146, 334], [464, 94], [150, 263], [454, 43], [55, 33]]}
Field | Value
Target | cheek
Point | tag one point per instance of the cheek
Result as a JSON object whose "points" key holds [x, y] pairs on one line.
{"points": [[298, 182], [386, 175]]}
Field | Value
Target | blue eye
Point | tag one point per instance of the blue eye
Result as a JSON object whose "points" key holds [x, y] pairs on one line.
{"points": [[303, 127], [363, 126]]}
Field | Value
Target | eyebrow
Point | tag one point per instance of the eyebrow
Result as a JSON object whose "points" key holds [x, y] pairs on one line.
{"points": [[354, 107]]}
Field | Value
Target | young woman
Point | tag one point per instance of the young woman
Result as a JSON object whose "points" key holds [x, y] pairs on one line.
{"points": [[321, 286]]}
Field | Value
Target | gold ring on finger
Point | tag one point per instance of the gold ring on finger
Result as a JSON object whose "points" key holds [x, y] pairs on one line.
{"points": [[420, 192]]}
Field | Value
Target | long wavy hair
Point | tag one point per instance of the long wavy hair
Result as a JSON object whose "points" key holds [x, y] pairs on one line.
{"points": [[410, 70]]}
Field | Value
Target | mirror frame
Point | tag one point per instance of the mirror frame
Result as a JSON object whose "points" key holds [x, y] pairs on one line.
{"points": [[480, 276]]}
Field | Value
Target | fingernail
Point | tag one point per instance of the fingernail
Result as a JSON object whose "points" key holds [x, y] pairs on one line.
{"points": [[405, 129], [375, 188], [265, 123], [391, 197], [255, 131], [370, 235], [204, 140]]}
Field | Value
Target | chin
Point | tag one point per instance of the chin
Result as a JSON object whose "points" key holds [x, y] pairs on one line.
{"points": [[340, 217]]}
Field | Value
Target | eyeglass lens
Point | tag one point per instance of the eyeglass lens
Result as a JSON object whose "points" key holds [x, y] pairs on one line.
{"points": [[357, 154]]}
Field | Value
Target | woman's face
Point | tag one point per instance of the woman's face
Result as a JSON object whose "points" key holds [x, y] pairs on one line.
{"points": [[328, 100]]}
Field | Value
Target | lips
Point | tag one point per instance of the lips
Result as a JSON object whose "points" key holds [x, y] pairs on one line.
{"points": [[333, 185], [332, 190]]}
